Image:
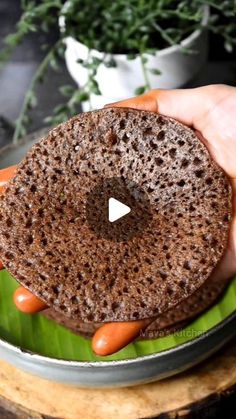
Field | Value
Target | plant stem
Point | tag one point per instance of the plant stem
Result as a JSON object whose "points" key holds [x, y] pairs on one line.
{"points": [[89, 78], [36, 78], [145, 71]]}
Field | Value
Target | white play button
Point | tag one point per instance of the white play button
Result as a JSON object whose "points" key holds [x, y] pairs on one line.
{"points": [[116, 210]]}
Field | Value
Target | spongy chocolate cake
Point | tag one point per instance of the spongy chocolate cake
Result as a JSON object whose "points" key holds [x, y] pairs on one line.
{"points": [[166, 323], [48, 245]]}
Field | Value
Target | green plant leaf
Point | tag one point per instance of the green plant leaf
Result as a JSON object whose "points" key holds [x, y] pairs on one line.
{"points": [[67, 90], [80, 61], [110, 63], [144, 59], [228, 46], [54, 64], [155, 71], [94, 88], [140, 90], [131, 57], [81, 96], [37, 334]]}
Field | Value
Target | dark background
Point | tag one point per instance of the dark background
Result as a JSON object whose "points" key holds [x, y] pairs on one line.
{"points": [[16, 75]]}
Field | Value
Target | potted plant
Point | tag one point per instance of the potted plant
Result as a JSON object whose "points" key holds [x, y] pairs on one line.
{"points": [[161, 47], [117, 49]]}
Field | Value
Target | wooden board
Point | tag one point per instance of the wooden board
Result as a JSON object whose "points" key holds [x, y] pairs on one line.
{"points": [[25, 396]]}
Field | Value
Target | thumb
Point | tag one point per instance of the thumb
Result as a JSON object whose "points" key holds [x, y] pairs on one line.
{"points": [[186, 105], [210, 110]]}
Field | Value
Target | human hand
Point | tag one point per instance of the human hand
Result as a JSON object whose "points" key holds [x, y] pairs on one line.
{"points": [[211, 112]]}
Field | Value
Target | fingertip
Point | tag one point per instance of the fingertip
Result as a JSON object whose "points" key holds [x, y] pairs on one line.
{"points": [[146, 102], [110, 105], [27, 302]]}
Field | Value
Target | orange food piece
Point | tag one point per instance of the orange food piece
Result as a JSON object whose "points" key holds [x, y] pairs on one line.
{"points": [[112, 337], [27, 302]]}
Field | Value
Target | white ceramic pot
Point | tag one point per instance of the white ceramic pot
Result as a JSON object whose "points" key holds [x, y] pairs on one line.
{"points": [[120, 82]]}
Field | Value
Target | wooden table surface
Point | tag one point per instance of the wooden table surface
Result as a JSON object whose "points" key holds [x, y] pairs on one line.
{"points": [[195, 393]]}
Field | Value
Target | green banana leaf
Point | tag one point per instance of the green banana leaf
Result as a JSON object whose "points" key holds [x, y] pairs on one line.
{"points": [[37, 334]]}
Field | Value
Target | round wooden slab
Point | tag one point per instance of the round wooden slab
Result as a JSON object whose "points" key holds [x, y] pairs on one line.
{"points": [[26, 396]]}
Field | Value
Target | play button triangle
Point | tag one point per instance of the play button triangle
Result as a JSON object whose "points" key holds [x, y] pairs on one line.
{"points": [[116, 210]]}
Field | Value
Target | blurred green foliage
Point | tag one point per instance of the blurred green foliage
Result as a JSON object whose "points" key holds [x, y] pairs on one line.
{"points": [[133, 27]]}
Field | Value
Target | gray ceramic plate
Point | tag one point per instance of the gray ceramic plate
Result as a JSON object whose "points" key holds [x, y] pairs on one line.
{"points": [[121, 372], [126, 372]]}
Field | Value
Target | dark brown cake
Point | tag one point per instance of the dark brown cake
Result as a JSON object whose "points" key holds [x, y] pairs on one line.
{"points": [[166, 323], [87, 330], [49, 247]]}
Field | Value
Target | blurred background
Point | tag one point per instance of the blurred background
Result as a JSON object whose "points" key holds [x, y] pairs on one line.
{"points": [[16, 74]]}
